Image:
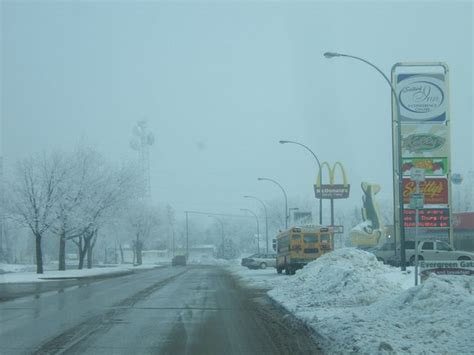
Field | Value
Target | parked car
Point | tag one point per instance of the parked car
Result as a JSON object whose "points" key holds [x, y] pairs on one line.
{"points": [[430, 250], [383, 252], [179, 260], [259, 261]]}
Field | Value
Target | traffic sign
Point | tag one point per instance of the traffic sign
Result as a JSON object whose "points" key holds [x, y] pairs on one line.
{"points": [[417, 201], [417, 174]]}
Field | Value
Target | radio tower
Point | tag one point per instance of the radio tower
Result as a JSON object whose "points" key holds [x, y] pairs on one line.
{"points": [[141, 142]]}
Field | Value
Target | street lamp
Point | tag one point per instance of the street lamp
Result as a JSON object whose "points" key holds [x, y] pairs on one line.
{"points": [[320, 176], [266, 218], [284, 194], [330, 55], [258, 227]]}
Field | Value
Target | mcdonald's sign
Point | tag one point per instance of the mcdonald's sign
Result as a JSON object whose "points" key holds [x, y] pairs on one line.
{"points": [[332, 190]]}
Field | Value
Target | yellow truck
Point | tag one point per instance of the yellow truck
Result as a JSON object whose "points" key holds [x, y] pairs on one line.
{"points": [[298, 246]]}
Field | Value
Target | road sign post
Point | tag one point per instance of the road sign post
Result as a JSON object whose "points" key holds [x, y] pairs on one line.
{"points": [[417, 202]]}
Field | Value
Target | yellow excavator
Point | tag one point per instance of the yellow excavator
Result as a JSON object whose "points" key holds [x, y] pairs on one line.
{"points": [[371, 231]]}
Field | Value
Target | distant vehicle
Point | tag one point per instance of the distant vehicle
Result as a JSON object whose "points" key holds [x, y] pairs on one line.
{"points": [[384, 252], [259, 261], [298, 246], [431, 250], [178, 260]]}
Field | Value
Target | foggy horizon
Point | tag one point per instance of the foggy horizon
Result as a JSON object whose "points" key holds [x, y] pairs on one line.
{"points": [[220, 85]]}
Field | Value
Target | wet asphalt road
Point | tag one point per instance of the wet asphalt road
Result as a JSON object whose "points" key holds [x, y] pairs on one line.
{"points": [[180, 310]]}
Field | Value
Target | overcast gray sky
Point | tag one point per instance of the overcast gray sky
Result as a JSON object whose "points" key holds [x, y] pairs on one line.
{"points": [[221, 83]]}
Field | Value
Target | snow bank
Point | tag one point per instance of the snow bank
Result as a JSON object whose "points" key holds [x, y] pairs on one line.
{"points": [[206, 260], [345, 277], [434, 317], [6, 268], [359, 305], [22, 277]]}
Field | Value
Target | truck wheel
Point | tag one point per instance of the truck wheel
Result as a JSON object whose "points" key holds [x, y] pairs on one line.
{"points": [[279, 270], [287, 270]]}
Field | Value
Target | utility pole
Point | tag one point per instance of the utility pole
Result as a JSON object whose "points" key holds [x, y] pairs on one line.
{"points": [[187, 235]]}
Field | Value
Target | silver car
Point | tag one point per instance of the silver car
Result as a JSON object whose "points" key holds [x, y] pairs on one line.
{"points": [[259, 261]]}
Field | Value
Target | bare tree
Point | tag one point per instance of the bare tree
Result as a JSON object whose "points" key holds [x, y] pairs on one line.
{"points": [[142, 219], [72, 191], [106, 189], [35, 194]]}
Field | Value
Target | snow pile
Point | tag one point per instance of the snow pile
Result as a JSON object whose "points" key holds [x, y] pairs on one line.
{"points": [[345, 277], [356, 304], [22, 277], [434, 317], [6, 268], [207, 260]]}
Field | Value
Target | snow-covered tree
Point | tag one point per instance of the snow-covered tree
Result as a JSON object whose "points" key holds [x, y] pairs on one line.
{"points": [[106, 188], [142, 219], [35, 193]]}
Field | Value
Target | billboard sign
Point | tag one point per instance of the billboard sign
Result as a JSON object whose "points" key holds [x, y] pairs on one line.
{"points": [[427, 218], [421, 127], [422, 97], [446, 267], [332, 191], [426, 140], [432, 166], [336, 191], [434, 190], [302, 217]]}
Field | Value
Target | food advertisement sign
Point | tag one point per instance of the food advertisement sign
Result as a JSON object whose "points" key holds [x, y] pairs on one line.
{"points": [[422, 97], [425, 141], [427, 218], [434, 190], [431, 166], [335, 191]]}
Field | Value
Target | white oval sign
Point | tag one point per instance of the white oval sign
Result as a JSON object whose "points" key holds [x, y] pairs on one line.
{"points": [[421, 98]]}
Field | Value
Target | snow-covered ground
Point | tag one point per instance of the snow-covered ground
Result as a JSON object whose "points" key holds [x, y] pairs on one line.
{"points": [[357, 304], [16, 273]]}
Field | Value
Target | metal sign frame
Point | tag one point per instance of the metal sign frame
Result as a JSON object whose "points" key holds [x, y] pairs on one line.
{"points": [[414, 68]]}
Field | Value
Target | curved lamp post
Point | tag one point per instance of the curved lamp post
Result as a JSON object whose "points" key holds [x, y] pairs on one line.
{"points": [[330, 55], [320, 175], [266, 218], [258, 227], [284, 193]]}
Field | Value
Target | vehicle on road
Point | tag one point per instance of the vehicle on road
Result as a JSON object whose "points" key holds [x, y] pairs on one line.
{"points": [[259, 261], [431, 250], [179, 260], [300, 245]]}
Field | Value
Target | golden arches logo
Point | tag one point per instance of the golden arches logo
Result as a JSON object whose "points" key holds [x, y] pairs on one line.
{"points": [[331, 172], [332, 190]]}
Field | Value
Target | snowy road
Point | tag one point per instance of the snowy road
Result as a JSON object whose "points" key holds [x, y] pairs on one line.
{"points": [[181, 310]]}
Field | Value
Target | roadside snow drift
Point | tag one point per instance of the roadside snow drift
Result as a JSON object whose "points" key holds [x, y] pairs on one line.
{"points": [[345, 277], [348, 299]]}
